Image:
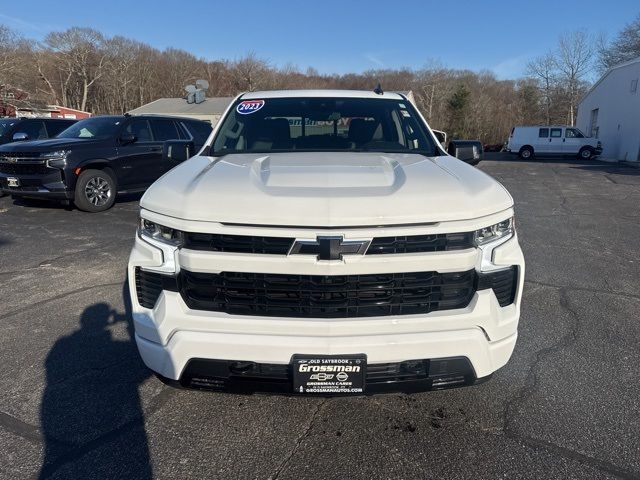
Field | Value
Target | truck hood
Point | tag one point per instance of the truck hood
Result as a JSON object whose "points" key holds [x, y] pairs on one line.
{"points": [[47, 145], [326, 189]]}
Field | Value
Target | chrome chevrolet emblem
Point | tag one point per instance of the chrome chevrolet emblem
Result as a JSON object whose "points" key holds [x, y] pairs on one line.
{"points": [[329, 248]]}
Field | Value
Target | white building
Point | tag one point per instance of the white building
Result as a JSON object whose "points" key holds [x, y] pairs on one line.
{"points": [[611, 112]]}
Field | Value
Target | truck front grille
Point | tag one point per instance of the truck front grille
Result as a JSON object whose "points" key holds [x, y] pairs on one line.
{"points": [[421, 243], [24, 168], [214, 242], [318, 296]]}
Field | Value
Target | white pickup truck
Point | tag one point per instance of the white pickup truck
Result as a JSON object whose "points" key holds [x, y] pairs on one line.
{"points": [[323, 243]]}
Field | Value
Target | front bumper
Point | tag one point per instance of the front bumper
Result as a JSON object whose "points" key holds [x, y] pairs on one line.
{"points": [[208, 335], [48, 185], [249, 377], [172, 338]]}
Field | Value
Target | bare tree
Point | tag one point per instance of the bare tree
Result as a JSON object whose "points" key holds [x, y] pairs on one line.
{"points": [[9, 58], [47, 73], [250, 72], [625, 46], [574, 61], [83, 57], [545, 70], [81, 68]]}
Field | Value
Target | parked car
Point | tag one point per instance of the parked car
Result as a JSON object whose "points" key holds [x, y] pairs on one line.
{"points": [[324, 243], [20, 129], [552, 140], [96, 158]]}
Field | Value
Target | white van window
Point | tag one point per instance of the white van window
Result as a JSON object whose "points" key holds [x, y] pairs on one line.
{"points": [[573, 133], [556, 133], [543, 133]]}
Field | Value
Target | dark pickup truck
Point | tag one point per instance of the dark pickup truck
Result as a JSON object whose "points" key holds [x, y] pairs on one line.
{"points": [[96, 158]]}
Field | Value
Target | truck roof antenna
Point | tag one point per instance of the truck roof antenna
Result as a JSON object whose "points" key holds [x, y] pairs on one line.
{"points": [[378, 89]]}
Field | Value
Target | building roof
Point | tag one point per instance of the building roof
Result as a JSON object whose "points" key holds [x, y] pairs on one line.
{"points": [[27, 104], [179, 106], [606, 74], [58, 107]]}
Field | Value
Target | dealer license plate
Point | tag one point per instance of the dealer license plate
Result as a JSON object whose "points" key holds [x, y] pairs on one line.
{"points": [[329, 374], [13, 182]]}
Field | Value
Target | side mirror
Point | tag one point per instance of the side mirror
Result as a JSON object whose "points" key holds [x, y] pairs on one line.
{"points": [[20, 136], [469, 151], [441, 137], [127, 138], [177, 151]]}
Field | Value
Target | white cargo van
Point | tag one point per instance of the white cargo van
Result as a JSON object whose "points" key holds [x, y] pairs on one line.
{"points": [[552, 140]]}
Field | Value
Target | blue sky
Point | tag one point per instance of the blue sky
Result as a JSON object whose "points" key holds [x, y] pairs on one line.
{"points": [[338, 36]]}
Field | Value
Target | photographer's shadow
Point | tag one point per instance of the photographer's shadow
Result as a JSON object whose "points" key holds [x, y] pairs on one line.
{"points": [[91, 415]]}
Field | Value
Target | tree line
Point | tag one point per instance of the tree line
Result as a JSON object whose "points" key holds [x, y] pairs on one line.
{"points": [[84, 69]]}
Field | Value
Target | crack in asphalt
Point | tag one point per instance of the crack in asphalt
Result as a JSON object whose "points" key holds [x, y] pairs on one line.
{"points": [[77, 452], [602, 465], [583, 289], [287, 459], [58, 297], [556, 215], [25, 430], [530, 387], [47, 262]]}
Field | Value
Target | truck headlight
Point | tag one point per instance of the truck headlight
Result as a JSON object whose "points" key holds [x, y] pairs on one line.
{"points": [[160, 233], [57, 159], [494, 232]]}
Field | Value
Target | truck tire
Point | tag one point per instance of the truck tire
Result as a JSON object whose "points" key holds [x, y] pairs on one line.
{"points": [[95, 191], [585, 153], [526, 152]]}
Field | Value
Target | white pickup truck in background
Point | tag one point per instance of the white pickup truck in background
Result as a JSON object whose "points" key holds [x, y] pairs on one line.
{"points": [[552, 140]]}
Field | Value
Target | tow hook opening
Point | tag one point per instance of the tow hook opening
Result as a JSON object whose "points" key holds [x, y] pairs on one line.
{"points": [[241, 367]]}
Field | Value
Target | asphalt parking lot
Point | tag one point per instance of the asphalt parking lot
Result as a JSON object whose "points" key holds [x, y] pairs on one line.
{"points": [[77, 402]]}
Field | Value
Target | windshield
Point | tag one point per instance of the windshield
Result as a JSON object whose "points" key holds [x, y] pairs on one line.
{"points": [[99, 127], [5, 125], [322, 124]]}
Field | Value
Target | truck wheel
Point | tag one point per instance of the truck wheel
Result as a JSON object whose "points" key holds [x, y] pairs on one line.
{"points": [[95, 191], [526, 153], [586, 153]]}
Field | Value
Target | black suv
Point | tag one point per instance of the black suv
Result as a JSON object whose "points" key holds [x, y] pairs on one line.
{"points": [[98, 157], [17, 129]]}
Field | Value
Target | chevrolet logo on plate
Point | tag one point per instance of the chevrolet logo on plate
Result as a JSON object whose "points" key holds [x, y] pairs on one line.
{"points": [[329, 248]]}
